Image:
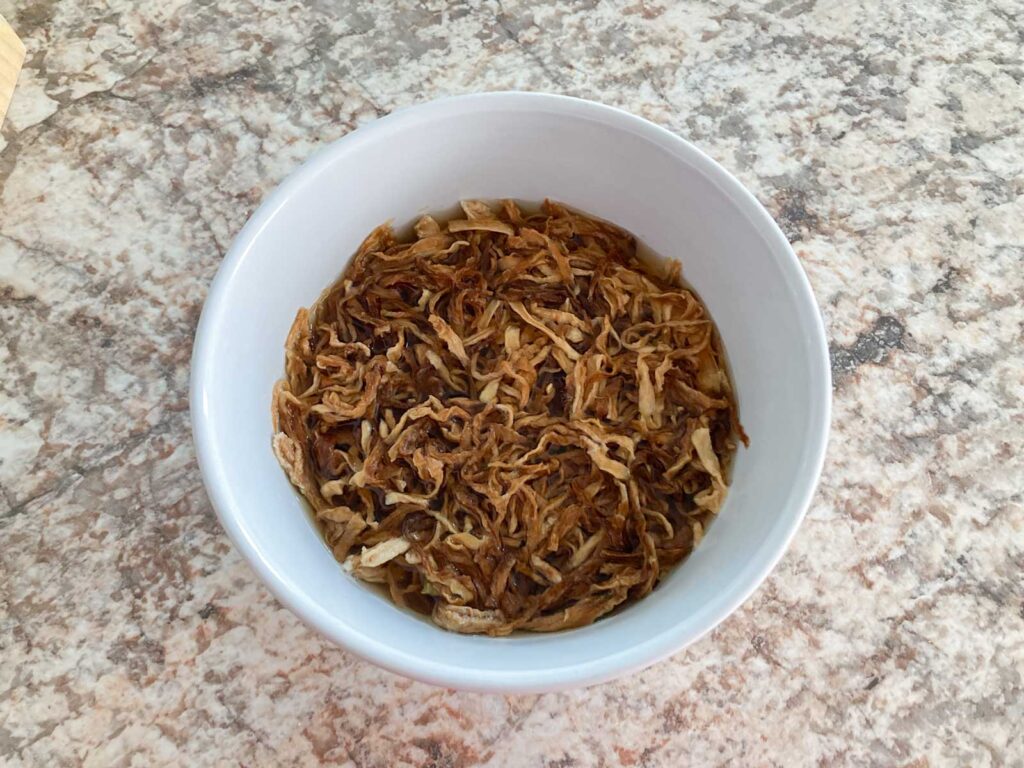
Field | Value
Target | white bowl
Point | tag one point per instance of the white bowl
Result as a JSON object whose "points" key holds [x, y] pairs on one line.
{"points": [[525, 146]]}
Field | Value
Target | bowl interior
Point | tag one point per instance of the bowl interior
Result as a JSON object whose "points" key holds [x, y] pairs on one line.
{"points": [[601, 161]]}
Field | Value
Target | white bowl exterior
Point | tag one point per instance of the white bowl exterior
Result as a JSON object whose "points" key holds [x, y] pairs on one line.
{"points": [[525, 146]]}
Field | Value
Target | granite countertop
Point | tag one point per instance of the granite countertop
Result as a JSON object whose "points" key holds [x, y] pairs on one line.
{"points": [[885, 138]]}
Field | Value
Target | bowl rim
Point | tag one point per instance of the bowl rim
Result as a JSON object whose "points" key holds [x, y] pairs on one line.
{"points": [[634, 657]]}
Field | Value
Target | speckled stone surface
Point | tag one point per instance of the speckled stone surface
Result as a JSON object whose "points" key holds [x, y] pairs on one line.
{"points": [[886, 139]]}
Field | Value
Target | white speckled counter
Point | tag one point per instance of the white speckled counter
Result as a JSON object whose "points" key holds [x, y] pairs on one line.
{"points": [[886, 140]]}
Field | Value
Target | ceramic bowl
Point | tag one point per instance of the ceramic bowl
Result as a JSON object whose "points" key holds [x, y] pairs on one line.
{"points": [[600, 160]]}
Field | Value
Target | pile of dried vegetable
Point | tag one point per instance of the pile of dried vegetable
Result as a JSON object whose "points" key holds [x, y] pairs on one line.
{"points": [[507, 420]]}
